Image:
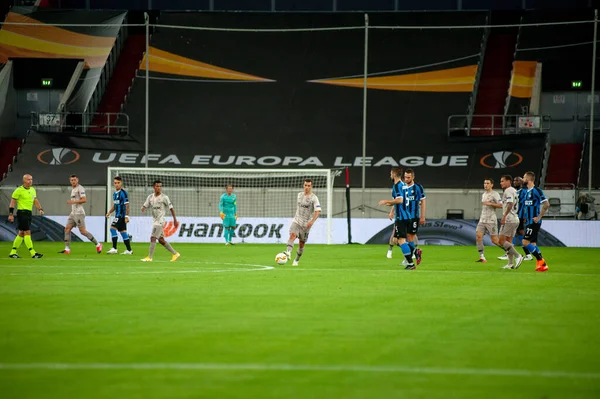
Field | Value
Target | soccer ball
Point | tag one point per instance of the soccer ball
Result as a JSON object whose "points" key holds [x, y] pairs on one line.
{"points": [[281, 258]]}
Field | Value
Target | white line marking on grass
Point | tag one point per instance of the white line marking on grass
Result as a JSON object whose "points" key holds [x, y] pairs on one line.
{"points": [[246, 268], [297, 367], [138, 262]]}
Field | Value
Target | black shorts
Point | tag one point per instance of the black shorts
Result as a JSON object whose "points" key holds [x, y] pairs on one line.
{"points": [[521, 227], [119, 224], [24, 220], [401, 228], [531, 232], [413, 226]]}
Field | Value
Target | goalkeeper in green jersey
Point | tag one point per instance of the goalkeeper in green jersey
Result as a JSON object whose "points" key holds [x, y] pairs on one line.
{"points": [[228, 213]]}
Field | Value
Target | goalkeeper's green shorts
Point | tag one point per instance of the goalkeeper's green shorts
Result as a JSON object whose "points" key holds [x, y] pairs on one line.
{"points": [[229, 221]]}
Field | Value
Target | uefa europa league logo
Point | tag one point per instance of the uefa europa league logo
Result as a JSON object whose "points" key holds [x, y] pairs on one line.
{"points": [[58, 156], [501, 160]]}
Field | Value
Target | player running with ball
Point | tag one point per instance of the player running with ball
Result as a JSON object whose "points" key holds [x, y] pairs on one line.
{"points": [[308, 211]]}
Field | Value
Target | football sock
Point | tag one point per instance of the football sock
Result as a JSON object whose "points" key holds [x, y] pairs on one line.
{"points": [[226, 234], [29, 244], [299, 253], [126, 240], [91, 237], [151, 250], [16, 244], [67, 239], [407, 253], [510, 250], [114, 237], [170, 248], [480, 247], [411, 245], [534, 251]]}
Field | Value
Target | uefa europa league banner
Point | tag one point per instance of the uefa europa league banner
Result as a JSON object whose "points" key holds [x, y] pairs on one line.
{"points": [[455, 164], [554, 233]]}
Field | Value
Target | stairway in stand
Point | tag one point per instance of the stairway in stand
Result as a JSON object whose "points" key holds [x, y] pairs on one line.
{"points": [[496, 69], [119, 84], [494, 82]]}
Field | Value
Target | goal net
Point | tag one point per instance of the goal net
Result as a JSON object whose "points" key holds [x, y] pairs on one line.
{"points": [[266, 201]]}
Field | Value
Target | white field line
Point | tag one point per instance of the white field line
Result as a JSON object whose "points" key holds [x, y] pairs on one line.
{"points": [[298, 367], [245, 268]]}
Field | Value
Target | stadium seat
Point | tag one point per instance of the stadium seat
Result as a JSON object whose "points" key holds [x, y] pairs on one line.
{"points": [[554, 205], [455, 214]]}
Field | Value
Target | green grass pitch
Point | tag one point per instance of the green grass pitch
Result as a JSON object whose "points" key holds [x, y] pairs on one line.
{"points": [[226, 322]]}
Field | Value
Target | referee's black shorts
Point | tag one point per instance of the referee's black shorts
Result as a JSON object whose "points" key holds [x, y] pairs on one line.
{"points": [[24, 220]]}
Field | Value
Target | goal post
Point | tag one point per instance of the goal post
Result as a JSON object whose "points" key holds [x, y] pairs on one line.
{"points": [[264, 196]]}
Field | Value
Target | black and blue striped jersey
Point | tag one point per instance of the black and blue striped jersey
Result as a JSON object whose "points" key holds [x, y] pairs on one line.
{"points": [[521, 204], [532, 204], [415, 193], [400, 210], [120, 198]]}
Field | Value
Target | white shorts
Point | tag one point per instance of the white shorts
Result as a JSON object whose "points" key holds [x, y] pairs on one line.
{"points": [[491, 228], [299, 231], [509, 229], [157, 231], [76, 220]]}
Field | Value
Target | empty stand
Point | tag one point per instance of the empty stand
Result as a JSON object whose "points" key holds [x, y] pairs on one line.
{"points": [[565, 51], [563, 165], [9, 149], [584, 171], [226, 85]]}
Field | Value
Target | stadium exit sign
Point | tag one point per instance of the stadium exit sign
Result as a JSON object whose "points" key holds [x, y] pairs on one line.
{"points": [[576, 84], [46, 82]]}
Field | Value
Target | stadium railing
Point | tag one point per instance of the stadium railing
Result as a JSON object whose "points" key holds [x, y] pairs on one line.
{"points": [[499, 124], [75, 122]]}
